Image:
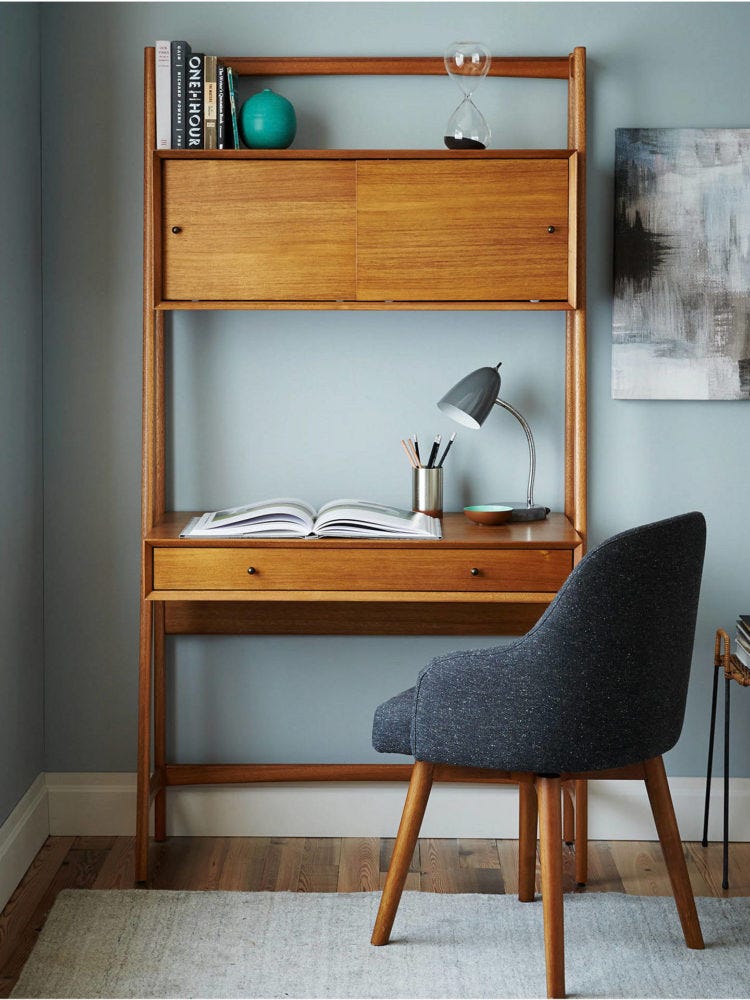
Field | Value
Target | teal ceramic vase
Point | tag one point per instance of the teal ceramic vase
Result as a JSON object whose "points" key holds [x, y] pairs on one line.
{"points": [[268, 121]]}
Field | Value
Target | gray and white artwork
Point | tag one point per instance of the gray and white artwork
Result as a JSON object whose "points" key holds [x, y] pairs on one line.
{"points": [[681, 317]]}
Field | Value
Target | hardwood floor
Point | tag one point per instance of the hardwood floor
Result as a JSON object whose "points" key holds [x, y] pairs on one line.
{"points": [[301, 864]]}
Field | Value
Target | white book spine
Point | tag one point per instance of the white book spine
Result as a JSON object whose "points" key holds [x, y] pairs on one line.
{"points": [[163, 95]]}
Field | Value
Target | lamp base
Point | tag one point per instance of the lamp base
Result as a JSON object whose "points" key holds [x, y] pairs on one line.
{"points": [[522, 511]]}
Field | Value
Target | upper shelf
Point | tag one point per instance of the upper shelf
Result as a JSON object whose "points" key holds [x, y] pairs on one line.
{"points": [[364, 154], [530, 67]]}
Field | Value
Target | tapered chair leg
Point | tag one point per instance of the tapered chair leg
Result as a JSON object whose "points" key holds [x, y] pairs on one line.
{"points": [[671, 845], [527, 824], [550, 849], [406, 839]]}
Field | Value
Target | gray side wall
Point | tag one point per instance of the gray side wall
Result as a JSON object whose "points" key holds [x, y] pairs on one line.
{"points": [[21, 610], [314, 404]]}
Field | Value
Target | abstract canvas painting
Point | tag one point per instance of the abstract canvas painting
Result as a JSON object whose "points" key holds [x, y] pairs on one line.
{"points": [[681, 317]]}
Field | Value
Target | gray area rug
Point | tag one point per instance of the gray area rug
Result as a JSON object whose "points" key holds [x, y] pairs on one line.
{"points": [[283, 944]]}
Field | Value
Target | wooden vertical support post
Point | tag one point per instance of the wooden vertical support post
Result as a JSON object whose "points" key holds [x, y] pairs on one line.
{"points": [[143, 792], [148, 498], [160, 723], [581, 828], [575, 389]]}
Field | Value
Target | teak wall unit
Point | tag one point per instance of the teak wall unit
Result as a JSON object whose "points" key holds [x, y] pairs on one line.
{"points": [[330, 229]]}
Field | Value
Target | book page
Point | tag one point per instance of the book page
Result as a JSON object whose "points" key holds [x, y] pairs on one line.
{"points": [[283, 517]]}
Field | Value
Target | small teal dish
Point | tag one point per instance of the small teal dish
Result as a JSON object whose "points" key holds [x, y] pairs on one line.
{"points": [[488, 513], [268, 121]]}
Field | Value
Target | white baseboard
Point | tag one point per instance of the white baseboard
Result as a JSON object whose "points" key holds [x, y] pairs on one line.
{"points": [[104, 804], [21, 837]]}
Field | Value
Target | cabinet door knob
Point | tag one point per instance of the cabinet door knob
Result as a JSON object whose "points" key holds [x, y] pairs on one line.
{"points": [[251, 570], [550, 229], [176, 229], [474, 571]]}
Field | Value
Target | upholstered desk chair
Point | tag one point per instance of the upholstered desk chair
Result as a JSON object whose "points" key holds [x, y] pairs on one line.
{"points": [[596, 689]]}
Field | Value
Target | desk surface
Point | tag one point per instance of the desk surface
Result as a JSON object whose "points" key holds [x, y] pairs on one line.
{"points": [[555, 532]]}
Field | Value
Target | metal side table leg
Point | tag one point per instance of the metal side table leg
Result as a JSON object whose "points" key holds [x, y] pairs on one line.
{"points": [[725, 862]]}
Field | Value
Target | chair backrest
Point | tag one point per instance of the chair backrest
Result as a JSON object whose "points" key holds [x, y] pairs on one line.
{"points": [[599, 682], [621, 631]]}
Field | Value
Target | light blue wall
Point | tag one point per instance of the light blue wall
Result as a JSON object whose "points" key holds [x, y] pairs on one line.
{"points": [[21, 621], [314, 404]]}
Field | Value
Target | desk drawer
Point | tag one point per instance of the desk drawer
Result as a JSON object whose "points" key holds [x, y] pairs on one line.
{"points": [[307, 567]]}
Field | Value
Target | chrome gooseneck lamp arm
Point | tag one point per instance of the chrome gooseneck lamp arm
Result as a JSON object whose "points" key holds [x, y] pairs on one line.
{"points": [[532, 450], [469, 403]]}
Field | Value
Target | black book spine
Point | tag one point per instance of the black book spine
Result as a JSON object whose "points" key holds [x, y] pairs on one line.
{"points": [[194, 91], [180, 52], [222, 106]]}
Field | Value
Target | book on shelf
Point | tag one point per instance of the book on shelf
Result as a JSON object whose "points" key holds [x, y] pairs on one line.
{"points": [[196, 101], [209, 102], [222, 104], [163, 95], [231, 85], [742, 654], [195, 109], [180, 52], [290, 518]]}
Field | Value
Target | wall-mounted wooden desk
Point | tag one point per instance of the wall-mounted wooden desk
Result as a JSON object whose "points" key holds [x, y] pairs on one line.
{"points": [[337, 229], [475, 580]]}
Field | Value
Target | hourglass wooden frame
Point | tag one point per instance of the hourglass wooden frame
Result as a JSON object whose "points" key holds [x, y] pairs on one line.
{"points": [[472, 581]]}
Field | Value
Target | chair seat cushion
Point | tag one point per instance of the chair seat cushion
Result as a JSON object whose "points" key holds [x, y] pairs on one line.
{"points": [[392, 725]]}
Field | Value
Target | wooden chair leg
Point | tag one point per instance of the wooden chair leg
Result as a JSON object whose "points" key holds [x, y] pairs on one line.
{"points": [[406, 839], [582, 831], [550, 849], [527, 824], [671, 845]]}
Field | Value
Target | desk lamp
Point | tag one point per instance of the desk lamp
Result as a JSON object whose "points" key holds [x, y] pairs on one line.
{"points": [[469, 403]]}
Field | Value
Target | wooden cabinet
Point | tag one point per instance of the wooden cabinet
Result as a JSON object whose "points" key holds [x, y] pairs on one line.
{"points": [[368, 229]]}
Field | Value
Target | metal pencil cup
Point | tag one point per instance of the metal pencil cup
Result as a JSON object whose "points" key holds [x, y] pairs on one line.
{"points": [[427, 491]]}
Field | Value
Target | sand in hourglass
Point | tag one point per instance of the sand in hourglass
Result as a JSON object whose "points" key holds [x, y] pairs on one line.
{"points": [[453, 143]]}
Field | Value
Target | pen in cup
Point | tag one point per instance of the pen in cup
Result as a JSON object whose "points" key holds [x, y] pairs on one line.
{"points": [[447, 449]]}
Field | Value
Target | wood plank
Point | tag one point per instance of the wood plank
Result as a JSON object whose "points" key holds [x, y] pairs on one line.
{"points": [[353, 306], [34, 885], [554, 532], [118, 870], [319, 870], [533, 67], [78, 870], [351, 618], [244, 863], [359, 866], [283, 862]]}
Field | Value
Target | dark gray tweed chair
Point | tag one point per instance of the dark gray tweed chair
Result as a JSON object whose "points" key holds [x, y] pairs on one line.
{"points": [[596, 689]]}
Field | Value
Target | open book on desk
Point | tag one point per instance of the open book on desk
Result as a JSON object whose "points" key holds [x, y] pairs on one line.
{"points": [[286, 518]]}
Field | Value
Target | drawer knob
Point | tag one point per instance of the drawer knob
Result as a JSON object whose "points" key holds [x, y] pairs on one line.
{"points": [[176, 229], [251, 570], [550, 229], [474, 571]]}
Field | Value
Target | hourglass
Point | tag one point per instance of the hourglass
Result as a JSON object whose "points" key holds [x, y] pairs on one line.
{"points": [[468, 64]]}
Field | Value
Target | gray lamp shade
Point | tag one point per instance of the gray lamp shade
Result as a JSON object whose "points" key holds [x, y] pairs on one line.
{"points": [[470, 401]]}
